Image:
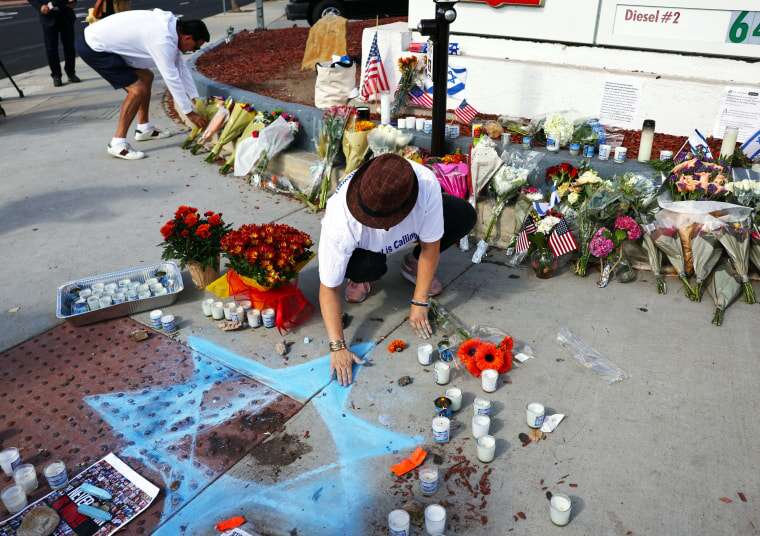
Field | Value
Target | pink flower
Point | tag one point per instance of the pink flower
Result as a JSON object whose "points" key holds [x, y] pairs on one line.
{"points": [[629, 225], [601, 246]]}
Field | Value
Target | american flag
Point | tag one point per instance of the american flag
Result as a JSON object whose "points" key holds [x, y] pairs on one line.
{"points": [[528, 228], [420, 98], [561, 240], [465, 113], [375, 80]]}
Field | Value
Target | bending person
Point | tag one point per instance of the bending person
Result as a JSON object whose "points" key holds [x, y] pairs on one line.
{"points": [[388, 204], [124, 47]]}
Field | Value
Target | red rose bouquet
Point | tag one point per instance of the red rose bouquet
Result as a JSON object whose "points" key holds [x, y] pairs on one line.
{"points": [[195, 241], [264, 261]]}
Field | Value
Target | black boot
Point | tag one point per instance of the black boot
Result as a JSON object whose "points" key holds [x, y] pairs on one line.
{"points": [[57, 82], [74, 79]]}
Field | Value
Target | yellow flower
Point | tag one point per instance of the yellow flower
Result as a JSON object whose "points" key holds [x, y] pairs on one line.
{"points": [[573, 198]]}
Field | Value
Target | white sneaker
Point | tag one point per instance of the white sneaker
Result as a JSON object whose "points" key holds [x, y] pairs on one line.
{"points": [[125, 151], [155, 134]]}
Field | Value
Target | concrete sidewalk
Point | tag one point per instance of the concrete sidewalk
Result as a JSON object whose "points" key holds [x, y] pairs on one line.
{"points": [[651, 455]]}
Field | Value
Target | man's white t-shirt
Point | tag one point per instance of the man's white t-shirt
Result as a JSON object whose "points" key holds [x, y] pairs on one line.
{"points": [[147, 39], [342, 233]]}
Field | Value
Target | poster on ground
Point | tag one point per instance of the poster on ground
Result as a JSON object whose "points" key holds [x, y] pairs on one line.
{"points": [[131, 495]]}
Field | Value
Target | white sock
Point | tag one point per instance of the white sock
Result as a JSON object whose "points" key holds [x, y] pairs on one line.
{"points": [[144, 127], [118, 141]]}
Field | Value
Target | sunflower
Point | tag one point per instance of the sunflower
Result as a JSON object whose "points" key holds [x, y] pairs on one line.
{"points": [[489, 356], [468, 349]]}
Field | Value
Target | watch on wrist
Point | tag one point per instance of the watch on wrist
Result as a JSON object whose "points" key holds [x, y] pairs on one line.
{"points": [[337, 346]]}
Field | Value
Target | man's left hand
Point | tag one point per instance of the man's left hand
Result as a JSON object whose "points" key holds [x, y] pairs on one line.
{"points": [[418, 319]]}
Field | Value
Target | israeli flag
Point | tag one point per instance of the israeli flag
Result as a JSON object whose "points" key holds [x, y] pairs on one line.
{"points": [[751, 147], [698, 144], [541, 208], [455, 83]]}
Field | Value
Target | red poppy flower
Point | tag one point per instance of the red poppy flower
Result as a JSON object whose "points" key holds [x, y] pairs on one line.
{"points": [[203, 231], [167, 229], [191, 219]]}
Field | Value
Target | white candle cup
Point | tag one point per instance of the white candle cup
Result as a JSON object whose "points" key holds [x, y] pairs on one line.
{"points": [[229, 308], [442, 373], [419, 123], [481, 424], [155, 318], [604, 151], [152, 281], [481, 406], [245, 304], [93, 303], [560, 508], [411, 122], [56, 475], [110, 287], [488, 380], [398, 523], [85, 293], [26, 477], [143, 295], [428, 480], [425, 354], [123, 283], [254, 318], [728, 146], [105, 301], [9, 460], [268, 318], [240, 314], [385, 108], [119, 297], [435, 519], [486, 448], [534, 413], [621, 153], [455, 395], [98, 287], [217, 311], [666, 155], [14, 498], [206, 306], [441, 429]]}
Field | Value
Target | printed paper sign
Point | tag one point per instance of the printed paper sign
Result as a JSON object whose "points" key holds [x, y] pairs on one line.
{"points": [[620, 102], [739, 108]]}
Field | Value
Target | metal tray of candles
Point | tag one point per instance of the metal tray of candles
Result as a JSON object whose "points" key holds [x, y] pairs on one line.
{"points": [[141, 293]]}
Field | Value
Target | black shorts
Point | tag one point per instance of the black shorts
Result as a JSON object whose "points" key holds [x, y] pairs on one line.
{"points": [[110, 66]]}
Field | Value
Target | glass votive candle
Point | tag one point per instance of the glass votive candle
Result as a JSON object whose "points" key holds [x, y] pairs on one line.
{"points": [[14, 498], [161, 291], [428, 480], [155, 318], [229, 308], [254, 318], [110, 287], [425, 354], [486, 448], [245, 304], [93, 303], [488, 380], [441, 429], [481, 406], [56, 475], [98, 287], [79, 306], [151, 281], [26, 477], [455, 395], [105, 301], [217, 311], [442, 373], [560, 508], [124, 283], [534, 414], [269, 318], [143, 288], [398, 523], [206, 306], [119, 297], [143, 295], [10, 458], [481, 424], [85, 293], [131, 294], [435, 519]]}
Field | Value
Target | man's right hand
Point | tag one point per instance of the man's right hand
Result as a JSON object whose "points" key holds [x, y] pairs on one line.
{"points": [[198, 120], [45, 9], [341, 363]]}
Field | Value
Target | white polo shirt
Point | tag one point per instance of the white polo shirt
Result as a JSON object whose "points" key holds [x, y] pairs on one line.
{"points": [[342, 233], [147, 39]]}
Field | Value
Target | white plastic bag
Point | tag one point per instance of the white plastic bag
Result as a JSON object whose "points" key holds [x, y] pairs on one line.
{"points": [[257, 152], [335, 84]]}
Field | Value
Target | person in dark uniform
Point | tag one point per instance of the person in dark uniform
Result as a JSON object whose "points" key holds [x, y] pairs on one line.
{"points": [[57, 18]]}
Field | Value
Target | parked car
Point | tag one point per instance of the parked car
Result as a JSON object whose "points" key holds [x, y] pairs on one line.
{"points": [[313, 10]]}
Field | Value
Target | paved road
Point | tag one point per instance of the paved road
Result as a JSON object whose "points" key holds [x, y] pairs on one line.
{"points": [[21, 47]]}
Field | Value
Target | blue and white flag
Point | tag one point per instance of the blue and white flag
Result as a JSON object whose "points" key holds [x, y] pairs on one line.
{"points": [[698, 144], [541, 208], [751, 147], [455, 83]]}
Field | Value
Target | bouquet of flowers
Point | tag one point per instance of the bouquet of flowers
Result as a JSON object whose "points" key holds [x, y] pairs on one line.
{"points": [[724, 287], [754, 247], [264, 260], [387, 139], [477, 355], [561, 177], [328, 144], [667, 240], [410, 68], [706, 252], [655, 257], [215, 124], [240, 116], [452, 178], [355, 144], [598, 206], [255, 152], [734, 236], [557, 126], [697, 179], [608, 244], [199, 107], [484, 162], [252, 131], [194, 241]]}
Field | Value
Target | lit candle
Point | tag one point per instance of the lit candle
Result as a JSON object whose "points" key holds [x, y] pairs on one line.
{"points": [[435, 519], [488, 380], [728, 146], [480, 425], [560, 507], [455, 395], [442, 373], [26, 477], [486, 448], [647, 140]]}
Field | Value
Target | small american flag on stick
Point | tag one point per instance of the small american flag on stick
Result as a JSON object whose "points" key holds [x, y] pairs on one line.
{"points": [[420, 98], [561, 240], [375, 81], [465, 113], [528, 228]]}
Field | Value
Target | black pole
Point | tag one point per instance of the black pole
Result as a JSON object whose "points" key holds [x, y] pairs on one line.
{"points": [[440, 77]]}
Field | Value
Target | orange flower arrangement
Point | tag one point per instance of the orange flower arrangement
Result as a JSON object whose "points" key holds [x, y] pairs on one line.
{"points": [[409, 62], [477, 356], [397, 345], [364, 126]]}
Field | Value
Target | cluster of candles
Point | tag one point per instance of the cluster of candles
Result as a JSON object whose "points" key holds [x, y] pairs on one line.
{"points": [[100, 295], [14, 497], [240, 311]]}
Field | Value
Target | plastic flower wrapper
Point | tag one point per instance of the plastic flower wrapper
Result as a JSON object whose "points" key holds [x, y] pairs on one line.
{"points": [[655, 257], [410, 68], [355, 144], [639, 192], [484, 163], [199, 107], [328, 144], [387, 139], [668, 241], [215, 125], [254, 126], [735, 239], [746, 192], [588, 132], [724, 286], [453, 178], [706, 253], [595, 212], [559, 127], [241, 114], [255, 154], [754, 247]]}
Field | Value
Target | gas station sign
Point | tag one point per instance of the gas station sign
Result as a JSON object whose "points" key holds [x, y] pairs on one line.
{"points": [[500, 3]]}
